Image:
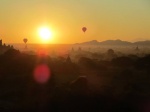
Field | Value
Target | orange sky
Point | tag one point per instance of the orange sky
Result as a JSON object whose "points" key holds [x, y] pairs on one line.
{"points": [[105, 19]]}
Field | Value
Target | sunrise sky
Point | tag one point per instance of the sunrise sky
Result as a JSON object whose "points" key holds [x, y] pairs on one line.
{"points": [[105, 19]]}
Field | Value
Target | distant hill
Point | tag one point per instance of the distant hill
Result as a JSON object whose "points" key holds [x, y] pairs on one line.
{"points": [[143, 43], [115, 43], [93, 42]]}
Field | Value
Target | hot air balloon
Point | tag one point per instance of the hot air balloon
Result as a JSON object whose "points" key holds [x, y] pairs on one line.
{"points": [[25, 40], [84, 29]]}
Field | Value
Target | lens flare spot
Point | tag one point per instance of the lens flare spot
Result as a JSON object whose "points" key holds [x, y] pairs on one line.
{"points": [[42, 52], [42, 73]]}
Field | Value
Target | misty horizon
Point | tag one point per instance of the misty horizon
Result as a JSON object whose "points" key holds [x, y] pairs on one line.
{"points": [[86, 41]]}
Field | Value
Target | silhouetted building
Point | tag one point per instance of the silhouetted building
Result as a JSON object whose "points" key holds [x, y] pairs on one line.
{"points": [[68, 60], [110, 54], [0, 42], [137, 49], [4, 47]]}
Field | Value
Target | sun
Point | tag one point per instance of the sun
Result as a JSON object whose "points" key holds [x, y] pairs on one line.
{"points": [[45, 33]]}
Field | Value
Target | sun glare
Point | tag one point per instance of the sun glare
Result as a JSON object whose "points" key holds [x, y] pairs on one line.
{"points": [[45, 33]]}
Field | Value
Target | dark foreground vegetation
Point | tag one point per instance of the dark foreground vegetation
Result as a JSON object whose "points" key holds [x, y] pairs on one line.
{"points": [[121, 84]]}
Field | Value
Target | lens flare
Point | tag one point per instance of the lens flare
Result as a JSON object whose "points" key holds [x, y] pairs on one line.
{"points": [[42, 52], [42, 73]]}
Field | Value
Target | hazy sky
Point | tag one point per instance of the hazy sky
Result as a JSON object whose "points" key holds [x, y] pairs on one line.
{"points": [[105, 19]]}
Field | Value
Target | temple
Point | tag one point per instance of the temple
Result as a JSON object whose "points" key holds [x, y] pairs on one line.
{"points": [[4, 47], [0, 42]]}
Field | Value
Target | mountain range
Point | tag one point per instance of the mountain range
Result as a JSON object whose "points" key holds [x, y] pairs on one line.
{"points": [[116, 43]]}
